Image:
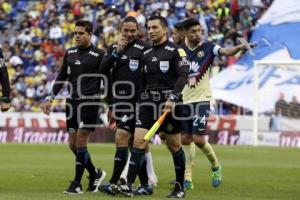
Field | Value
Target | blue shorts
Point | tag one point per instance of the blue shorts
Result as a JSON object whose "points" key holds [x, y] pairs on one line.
{"points": [[196, 115]]}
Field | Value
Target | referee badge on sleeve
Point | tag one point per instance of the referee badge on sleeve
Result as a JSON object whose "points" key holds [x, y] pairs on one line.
{"points": [[133, 64], [164, 66]]}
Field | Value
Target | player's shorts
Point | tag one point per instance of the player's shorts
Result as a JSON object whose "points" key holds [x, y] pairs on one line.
{"points": [[196, 115], [125, 115], [150, 111], [82, 114]]}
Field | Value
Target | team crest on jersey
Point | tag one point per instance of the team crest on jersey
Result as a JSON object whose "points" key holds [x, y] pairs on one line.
{"points": [[200, 54], [164, 66], [133, 64]]}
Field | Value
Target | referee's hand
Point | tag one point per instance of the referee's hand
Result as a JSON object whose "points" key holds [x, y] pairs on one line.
{"points": [[46, 107], [5, 106], [169, 105]]}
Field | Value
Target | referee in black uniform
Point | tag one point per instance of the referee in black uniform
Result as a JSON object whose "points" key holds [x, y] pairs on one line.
{"points": [[80, 68], [165, 71], [122, 64], [4, 80]]}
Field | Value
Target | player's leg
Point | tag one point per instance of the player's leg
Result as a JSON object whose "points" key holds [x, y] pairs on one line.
{"points": [[199, 126], [121, 156], [150, 169], [174, 145], [188, 145]]}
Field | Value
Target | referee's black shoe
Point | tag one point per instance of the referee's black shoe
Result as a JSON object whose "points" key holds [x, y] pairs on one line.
{"points": [[74, 188], [177, 192]]}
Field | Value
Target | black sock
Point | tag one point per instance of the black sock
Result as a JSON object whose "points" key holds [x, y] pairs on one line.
{"points": [[179, 163], [134, 164], [82, 158], [143, 175], [120, 160], [90, 167]]}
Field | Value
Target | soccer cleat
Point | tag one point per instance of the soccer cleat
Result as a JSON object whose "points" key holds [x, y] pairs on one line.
{"points": [[109, 188], [143, 190], [216, 176], [96, 181], [188, 185], [122, 181], [74, 188], [177, 192], [126, 190]]}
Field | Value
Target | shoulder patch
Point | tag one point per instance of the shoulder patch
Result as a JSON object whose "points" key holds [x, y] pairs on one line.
{"points": [[181, 52]]}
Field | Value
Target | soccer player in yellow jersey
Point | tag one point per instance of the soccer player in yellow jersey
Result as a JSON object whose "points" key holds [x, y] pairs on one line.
{"points": [[197, 93]]}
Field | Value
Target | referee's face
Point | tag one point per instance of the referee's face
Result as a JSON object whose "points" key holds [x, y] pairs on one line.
{"points": [[129, 30], [194, 34], [82, 38], [156, 32]]}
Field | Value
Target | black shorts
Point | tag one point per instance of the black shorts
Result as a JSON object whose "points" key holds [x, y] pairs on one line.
{"points": [[148, 114], [125, 115], [82, 114], [196, 115]]}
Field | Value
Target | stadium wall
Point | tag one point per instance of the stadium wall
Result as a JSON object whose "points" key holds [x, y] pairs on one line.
{"points": [[37, 128]]}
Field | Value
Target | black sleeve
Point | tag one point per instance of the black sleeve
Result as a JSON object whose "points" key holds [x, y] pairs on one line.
{"points": [[4, 80], [108, 61], [61, 78], [182, 68]]}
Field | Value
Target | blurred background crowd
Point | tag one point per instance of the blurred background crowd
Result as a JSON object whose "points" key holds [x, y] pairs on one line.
{"points": [[35, 34]]}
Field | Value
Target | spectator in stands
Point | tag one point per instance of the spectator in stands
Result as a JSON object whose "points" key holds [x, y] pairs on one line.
{"points": [[281, 106], [294, 108]]}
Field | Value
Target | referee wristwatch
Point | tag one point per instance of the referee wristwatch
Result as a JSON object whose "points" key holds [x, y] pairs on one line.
{"points": [[173, 97]]}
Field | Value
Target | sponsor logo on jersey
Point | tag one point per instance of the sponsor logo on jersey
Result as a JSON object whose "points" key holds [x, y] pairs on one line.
{"points": [[77, 62], [169, 48], [154, 59], [72, 51], [138, 46], [164, 66], [94, 53], [194, 66], [133, 64]]}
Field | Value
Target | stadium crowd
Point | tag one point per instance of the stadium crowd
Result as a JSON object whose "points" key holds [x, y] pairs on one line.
{"points": [[35, 34]]}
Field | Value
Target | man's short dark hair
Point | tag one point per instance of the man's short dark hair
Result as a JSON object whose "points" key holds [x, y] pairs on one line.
{"points": [[130, 19], [179, 26], [88, 26], [188, 23], [163, 21]]}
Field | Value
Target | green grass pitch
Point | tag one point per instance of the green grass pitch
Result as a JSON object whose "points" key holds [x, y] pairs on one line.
{"points": [[42, 172]]}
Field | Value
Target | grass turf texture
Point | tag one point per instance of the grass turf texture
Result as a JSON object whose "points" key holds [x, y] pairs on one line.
{"points": [[42, 172]]}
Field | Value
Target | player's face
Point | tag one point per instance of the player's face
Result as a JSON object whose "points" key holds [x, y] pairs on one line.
{"points": [[194, 34], [82, 38], [156, 31], [178, 36], [129, 30]]}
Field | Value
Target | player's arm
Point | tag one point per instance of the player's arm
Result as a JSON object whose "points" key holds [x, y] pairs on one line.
{"points": [[4, 80], [230, 51], [109, 60], [58, 84], [181, 67]]}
